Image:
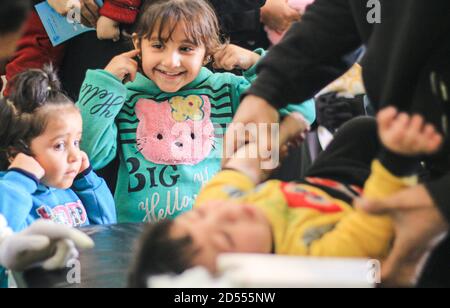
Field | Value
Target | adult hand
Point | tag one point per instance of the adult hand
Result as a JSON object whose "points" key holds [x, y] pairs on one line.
{"points": [[44, 241], [62, 7], [407, 135], [89, 13], [418, 226], [252, 110], [278, 15], [108, 29]]}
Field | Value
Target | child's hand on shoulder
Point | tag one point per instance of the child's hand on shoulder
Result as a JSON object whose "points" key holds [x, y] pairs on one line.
{"points": [[124, 66], [85, 164], [407, 135], [233, 57], [108, 29], [28, 164]]}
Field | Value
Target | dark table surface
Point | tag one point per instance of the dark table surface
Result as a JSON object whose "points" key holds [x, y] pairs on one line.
{"points": [[105, 266]]}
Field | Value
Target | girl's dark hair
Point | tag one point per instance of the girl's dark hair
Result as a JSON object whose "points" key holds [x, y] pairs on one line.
{"points": [[22, 114], [202, 26], [158, 253]]}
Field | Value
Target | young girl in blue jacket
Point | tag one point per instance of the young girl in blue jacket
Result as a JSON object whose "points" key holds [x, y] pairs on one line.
{"points": [[44, 172]]}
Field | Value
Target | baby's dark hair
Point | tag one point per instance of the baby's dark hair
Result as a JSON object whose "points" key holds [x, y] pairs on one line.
{"points": [[202, 26], [24, 113], [159, 253]]}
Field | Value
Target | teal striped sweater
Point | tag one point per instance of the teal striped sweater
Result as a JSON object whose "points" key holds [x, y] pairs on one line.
{"points": [[169, 144]]}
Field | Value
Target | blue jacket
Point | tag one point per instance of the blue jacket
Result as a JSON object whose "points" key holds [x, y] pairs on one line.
{"points": [[23, 200]]}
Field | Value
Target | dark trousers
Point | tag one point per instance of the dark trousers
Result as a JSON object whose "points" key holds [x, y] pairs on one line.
{"points": [[349, 156]]}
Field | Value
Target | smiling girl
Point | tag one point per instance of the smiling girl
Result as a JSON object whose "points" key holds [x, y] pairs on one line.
{"points": [[166, 124]]}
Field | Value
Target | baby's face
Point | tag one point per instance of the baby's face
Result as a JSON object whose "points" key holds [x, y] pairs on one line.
{"points": [[224, 227]]}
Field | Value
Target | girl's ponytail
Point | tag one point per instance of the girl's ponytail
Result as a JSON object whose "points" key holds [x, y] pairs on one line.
{"points": [[22, 116], [35, 88]]}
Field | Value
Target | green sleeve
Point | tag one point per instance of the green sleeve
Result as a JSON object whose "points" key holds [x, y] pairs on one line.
{"points": [[101, 98], [307, 109], [242, 83]]}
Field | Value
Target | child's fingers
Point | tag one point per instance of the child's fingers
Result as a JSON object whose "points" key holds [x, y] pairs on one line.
{"points": [[84, 157], [219, 56], [231, 58], [93, 8], [134, 70], [434, 144], [84, 162], [220, 63], [432, 138], [413, 134], [131, 54], [217, 63], [416, 125], [386, 116], [230, 62], [226, 62], [426, 141], [89, 10], [131, 67], [399, 127], [403, 119]]}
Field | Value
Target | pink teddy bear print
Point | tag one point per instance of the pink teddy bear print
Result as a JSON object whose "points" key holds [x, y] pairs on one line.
{"points": [[175, 132]]}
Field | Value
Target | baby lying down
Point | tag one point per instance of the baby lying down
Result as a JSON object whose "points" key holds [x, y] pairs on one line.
{"points": [[237, 212]]}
